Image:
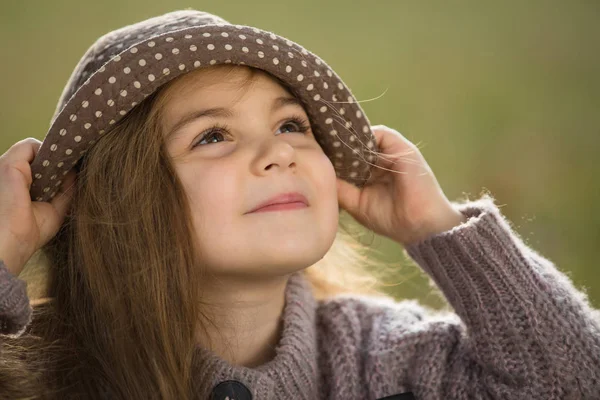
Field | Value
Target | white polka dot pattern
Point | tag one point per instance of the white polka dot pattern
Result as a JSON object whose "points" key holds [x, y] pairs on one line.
{"points": [[104, 92]]}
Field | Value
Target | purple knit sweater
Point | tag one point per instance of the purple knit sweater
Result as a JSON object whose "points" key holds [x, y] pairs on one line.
{"points": [[520, 329]]}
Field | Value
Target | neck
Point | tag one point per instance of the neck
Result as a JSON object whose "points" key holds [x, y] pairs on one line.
{"points": [[244, 318], [296, 358]]}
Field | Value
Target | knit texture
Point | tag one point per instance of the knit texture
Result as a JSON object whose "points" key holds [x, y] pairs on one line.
{"points": [[520, 329], [15, 311]]}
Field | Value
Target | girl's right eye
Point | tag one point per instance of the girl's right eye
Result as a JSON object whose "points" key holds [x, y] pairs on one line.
{"points": [[210, 132]]}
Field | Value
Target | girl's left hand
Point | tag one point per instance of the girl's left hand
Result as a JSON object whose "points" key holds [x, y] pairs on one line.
{"points": [[402, 199]]}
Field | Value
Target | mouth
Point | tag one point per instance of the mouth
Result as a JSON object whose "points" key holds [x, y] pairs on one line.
{"points": [[282, 202], [282, 207]]}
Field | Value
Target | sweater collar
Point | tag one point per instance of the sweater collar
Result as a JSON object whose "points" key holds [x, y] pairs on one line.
{"points": [[292, 373]]}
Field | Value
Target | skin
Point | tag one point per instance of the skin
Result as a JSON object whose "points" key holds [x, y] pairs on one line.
{"points": [[228, 175], [250, 255]]}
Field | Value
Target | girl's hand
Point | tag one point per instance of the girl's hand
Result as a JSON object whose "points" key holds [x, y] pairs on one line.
{"points": [[25, 226], [402, 199]]}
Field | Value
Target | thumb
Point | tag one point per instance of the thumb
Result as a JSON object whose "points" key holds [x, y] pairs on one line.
{"points": [[50, 221], [348, 196], [63, 198]]}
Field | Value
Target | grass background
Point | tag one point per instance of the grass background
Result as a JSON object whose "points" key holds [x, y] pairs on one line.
{"points": [[501, 96]]}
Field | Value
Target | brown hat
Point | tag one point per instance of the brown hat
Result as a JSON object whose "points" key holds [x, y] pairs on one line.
{"points": [[124, 66]]}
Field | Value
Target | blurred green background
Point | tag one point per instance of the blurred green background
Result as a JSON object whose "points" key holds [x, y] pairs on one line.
{"points": [[500, 96]]}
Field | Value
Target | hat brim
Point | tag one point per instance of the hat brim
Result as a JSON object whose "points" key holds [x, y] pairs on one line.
{"points": [[339, 123]]}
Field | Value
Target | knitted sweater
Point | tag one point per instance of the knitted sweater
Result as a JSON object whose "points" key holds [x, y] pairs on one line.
{"points": [[520, 330]]}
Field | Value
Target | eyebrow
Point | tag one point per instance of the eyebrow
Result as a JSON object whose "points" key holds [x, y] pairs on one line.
{"points": [[192, 116]]}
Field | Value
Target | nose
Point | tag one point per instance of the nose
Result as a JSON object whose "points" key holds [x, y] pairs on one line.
{"points": [[274, 154]]}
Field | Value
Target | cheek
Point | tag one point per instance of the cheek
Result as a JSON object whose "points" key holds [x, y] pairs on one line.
{"points": [[325, 187], [324, 178], [213, 196]]}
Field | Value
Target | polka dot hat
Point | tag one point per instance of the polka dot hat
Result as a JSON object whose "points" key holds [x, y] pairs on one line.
{"points": [[124, 66]]}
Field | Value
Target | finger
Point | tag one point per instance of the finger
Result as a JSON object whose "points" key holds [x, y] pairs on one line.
{"points": [[62, 200], [379, 174], [23, 150], [396, 150], [391, 142], [11, 183], [20, 155], [348, 196], [383, 168]]}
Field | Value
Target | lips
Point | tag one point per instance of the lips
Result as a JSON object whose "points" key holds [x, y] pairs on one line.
{"points": [[283, 198]]}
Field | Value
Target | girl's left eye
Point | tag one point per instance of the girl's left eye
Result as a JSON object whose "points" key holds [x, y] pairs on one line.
{"points": [[297, 124]]}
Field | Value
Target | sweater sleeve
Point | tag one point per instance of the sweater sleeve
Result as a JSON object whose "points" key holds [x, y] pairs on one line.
{"points": [[15, 309], [522, 332]]}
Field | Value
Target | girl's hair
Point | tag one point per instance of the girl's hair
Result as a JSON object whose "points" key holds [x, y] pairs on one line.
{"points": [[116, 292]]}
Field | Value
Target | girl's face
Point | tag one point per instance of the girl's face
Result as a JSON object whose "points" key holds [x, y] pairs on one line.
{"points": [[254, 150]]}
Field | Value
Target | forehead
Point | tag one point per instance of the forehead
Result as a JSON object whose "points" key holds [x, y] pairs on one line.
{"points": [[215, 91], [221, 82]]}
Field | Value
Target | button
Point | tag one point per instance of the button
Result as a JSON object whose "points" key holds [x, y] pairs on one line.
{"points": [[231, 390]]}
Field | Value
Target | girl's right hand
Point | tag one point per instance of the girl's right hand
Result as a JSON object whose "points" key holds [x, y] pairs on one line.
{"points": [[25, 225]]}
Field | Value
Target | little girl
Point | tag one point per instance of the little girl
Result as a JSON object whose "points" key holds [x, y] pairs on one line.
{"points": [[186, 200]]}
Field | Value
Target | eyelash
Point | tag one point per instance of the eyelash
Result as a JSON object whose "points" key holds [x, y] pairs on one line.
{"points": [[301, 122]]}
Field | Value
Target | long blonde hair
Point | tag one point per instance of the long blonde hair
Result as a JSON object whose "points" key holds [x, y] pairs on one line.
{"points": [[115, 292]]}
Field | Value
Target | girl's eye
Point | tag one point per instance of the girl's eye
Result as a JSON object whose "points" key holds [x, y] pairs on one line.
{"points": [[211, 133], [296, 124]]}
